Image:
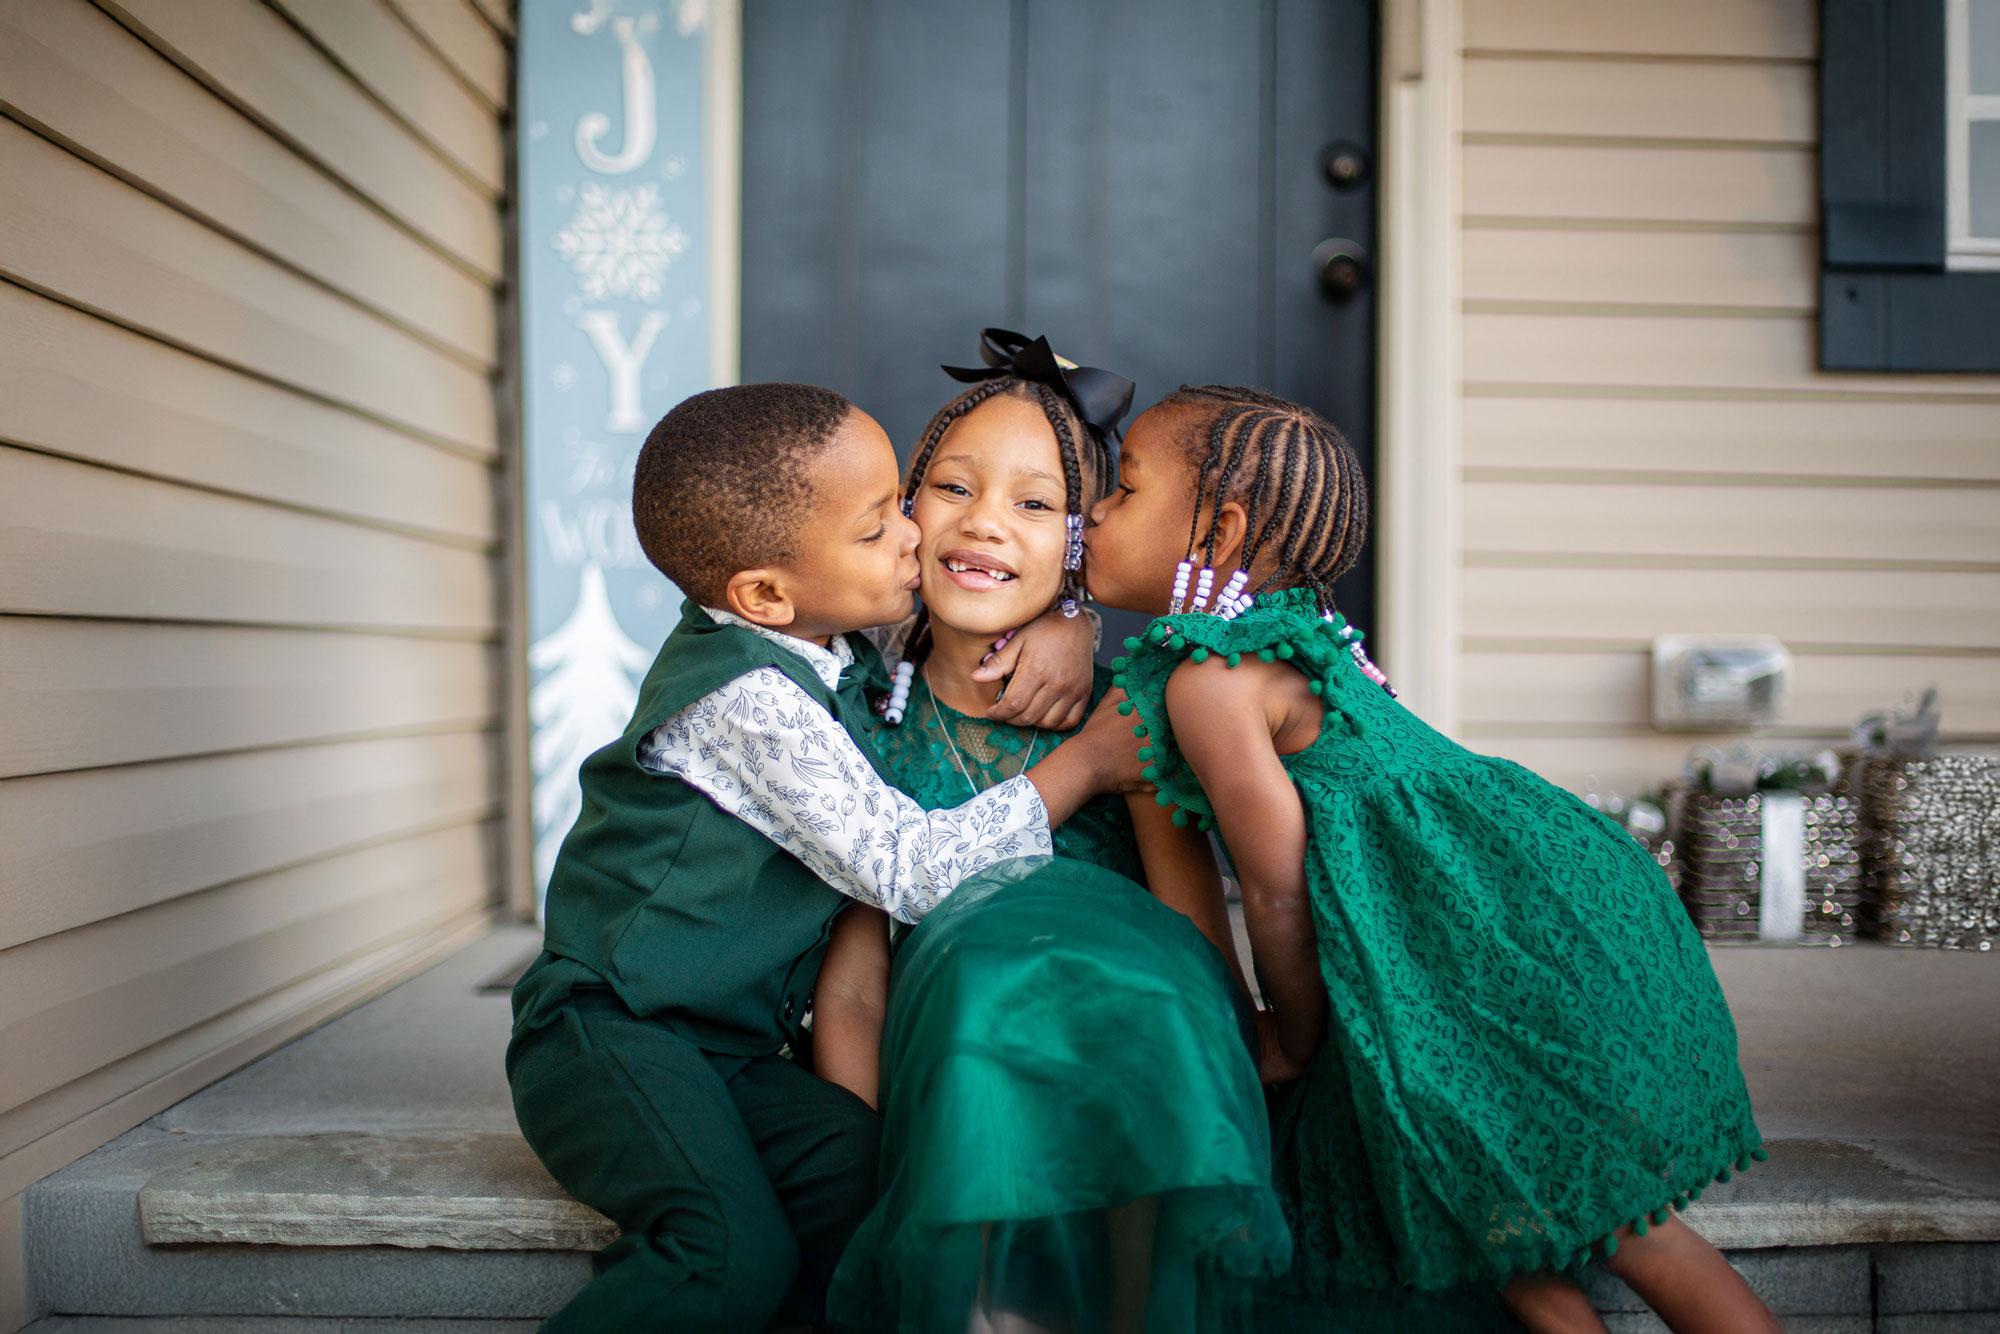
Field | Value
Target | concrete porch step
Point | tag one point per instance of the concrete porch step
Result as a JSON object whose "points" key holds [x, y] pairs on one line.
{"points": [[371, 1173], [389, 1131]]}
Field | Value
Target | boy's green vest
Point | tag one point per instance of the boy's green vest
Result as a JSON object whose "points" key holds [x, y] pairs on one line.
{"points": [[686, 912]]}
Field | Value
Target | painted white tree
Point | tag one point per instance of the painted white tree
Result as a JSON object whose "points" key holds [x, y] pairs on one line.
{"points": [[583, 700]]}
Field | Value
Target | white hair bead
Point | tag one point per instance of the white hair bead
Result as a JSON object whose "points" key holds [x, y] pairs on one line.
{"points": [[1203, 582], [1182, 573], [1232, 603], [899, 694]]}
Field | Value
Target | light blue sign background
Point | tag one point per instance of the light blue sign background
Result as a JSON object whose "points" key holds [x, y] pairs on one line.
{"points": [[614, 293]]}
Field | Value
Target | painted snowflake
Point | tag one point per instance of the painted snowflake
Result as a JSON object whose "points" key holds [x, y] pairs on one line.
{"points": [[620, 243]]}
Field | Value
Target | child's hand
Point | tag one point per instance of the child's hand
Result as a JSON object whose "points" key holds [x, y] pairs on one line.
{"points": [[1273, 1066], [1108, 737], [1049, 661]]}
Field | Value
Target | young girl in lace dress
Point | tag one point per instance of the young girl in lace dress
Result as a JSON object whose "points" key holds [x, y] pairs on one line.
{"points": [[1506, 1052]]}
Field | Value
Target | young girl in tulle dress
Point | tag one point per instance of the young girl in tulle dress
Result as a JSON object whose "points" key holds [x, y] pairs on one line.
{"points": [[1074, 1137]]}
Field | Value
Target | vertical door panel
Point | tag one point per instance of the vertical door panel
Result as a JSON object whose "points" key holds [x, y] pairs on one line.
{"points": [[1325, 349], [1139, 179]]}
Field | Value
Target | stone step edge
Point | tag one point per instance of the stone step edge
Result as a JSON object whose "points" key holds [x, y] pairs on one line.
{"points": [[181, 1217], [486, 1191], [1767, 1223], [170, 1217], [470, 1191]]}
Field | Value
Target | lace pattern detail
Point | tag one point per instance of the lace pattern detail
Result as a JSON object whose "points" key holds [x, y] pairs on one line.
{"points": [[921, 756], [1528, 1048]]}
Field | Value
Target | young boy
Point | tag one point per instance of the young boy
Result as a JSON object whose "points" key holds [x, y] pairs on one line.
{"points": [[720, 835]]}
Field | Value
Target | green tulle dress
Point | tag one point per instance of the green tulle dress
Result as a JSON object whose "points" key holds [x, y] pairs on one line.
{"points": [[1070, 1104], [1527, 1047]]}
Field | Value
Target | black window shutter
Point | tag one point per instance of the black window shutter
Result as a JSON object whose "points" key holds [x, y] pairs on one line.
{"points": [[1886, 301]]}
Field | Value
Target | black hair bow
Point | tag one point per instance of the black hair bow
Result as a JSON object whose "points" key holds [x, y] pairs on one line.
{"points": [[1099, 397]]}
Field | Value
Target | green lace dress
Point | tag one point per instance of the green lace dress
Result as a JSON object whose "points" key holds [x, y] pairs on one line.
{"points": [[1527, 1047], [1067, 1070]]}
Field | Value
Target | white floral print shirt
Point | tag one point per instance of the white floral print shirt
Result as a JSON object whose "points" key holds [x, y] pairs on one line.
{"points": [[767, 753]]}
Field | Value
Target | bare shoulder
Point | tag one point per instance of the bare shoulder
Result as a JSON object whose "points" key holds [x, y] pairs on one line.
{"points": [[1213, 683], [1212, 696], [1209, 684]]}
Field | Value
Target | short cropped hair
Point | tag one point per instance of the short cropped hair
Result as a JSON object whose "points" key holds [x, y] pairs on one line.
{"points": [[724, 481]]}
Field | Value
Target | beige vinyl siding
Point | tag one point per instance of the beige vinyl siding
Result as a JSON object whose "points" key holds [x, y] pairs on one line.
{"points": [[1647, 445], [252, 577]]}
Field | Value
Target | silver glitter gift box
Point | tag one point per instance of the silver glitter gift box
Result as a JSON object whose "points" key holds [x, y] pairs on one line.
{"points": [[1933, 851], [1722, 844]]}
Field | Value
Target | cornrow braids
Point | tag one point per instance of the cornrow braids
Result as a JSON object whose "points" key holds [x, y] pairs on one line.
{"points": [[1086, 465], [1298, 478]]}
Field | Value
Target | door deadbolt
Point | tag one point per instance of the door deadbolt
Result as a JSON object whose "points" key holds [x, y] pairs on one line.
{"points": [[1344, 165]]}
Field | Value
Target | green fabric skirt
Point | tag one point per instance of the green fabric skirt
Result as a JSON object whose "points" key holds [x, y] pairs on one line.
{"points": [[1073, 1129]]}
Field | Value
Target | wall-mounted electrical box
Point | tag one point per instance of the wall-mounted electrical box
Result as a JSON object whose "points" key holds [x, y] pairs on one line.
{"points": [[1718, 683]]}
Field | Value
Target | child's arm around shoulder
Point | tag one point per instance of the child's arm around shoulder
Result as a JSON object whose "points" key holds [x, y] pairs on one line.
{"points": [[1046, 665], [1224, 721], [850, 1002]]}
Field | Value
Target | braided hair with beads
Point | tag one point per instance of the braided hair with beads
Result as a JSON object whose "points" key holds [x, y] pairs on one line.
{"points": [[1086, 465], [1299, 480]]}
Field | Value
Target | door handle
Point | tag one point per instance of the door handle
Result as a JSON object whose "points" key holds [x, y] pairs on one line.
{"points": [[1342, 268]]}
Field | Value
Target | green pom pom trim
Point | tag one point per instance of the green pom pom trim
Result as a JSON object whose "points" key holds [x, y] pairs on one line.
{"points": [[1760, 1155], [1180, 819], [1125, 706], [1145, 752], [1233, 659], [1140, 730], [1150, 773], [1641, 1226], [1285, 651], [1267, 655], [1119, 680], [1205, 823], [1660, 1216], [1163, 799], [1610, 1247], [1693, 1195], [1723, 1175], [1119, 664], [1317, 687], [1158, 632], [1199, 655], [1132, 643]]}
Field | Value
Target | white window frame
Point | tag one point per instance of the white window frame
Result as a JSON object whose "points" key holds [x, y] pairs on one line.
{"points": [[1963, 250]]}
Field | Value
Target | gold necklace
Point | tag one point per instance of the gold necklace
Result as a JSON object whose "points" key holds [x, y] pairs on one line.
{"points": [[956, 758]]}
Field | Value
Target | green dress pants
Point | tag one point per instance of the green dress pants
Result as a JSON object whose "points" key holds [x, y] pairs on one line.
{"points": [[736, 1181]]}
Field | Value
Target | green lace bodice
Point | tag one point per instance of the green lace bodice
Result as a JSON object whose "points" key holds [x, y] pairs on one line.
{"points": [[1528, 1047], [942, 758]]}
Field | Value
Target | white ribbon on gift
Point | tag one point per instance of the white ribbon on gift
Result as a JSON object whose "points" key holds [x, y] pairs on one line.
{"points": [[1781, 906]]}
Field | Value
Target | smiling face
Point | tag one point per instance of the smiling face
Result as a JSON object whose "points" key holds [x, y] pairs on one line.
{"points": [[991, 508], [1140, 530]]}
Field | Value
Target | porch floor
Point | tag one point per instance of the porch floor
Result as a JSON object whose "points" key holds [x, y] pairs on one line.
{"points": [[377, 1161]]}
